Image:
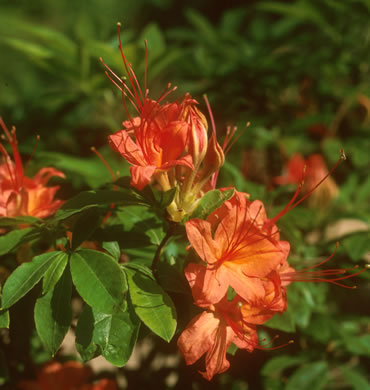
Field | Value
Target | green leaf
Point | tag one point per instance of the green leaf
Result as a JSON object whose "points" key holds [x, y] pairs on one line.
{"points": [[53, 274], [284, 322], [171, 279], [85, 226], [14, 238], [33, 50], [309, 376], [210, 202], [163, 198], [14, 222], [357, 245], [232, 349], [358, 345], [53, 313], [87, 199], [98, 279], [84, 335], [203, 26], [112, 335], [116, 335], [151, 303], [231, 293], [4, 319], [156, 41], [275, 366], [354, 378], [4, 371], [25, 277], [112, 248]]}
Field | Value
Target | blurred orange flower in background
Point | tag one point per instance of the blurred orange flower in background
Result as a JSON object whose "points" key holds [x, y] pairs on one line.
{"points": [[68, 376]]}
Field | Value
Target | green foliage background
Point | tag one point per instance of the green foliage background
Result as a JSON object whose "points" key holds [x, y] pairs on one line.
{"points": [[297, 70]]}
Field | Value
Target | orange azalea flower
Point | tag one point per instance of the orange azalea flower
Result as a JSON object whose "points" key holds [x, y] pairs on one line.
{"points": [[68, 376], [160, 139], [165, 143], [238, 249], [20, 195], [156, 139], [213, 331]]}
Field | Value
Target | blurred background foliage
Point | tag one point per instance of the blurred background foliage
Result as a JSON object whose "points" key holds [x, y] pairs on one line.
{"points": [[297, 70]]}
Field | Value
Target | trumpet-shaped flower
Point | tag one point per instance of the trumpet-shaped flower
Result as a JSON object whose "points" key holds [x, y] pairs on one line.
{"points": [[165, 143], [213, 331], [155, 141], [237, 249], [227, 322], [19, 194]]}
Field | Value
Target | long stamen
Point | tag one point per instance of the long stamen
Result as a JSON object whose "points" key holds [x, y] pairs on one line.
{"points": [[265, 348], [19, 174], [130, 72], [123, 88], [146, 67], [33, 152], [305, 275], [104, 161], [291, 205], [166, 92], [315, 276], [8, 166], [128, 90], [230, 140], [210, 115]]}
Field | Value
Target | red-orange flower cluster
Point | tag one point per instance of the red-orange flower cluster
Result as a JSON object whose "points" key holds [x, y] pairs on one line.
{"points": [[166, 144], [19, 194], [239, 248], [68, 376]]}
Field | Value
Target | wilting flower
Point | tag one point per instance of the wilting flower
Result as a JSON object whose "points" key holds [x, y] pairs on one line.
{"points": [[165, 143], [237, 249], [68, 376], [310, 171], [19, 194]]}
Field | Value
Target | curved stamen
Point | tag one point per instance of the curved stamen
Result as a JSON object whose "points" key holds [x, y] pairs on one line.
{"points": [[291, 205], [104, 161], [130, 72]]}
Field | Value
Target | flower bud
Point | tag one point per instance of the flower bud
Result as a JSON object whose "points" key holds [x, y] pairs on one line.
{"points": [[198, 129], [213, 160]]}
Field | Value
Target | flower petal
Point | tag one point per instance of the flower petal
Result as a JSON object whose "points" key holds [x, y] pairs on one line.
{"points": [[198, 337], [141, 176], [200, 237], [122, 143]]}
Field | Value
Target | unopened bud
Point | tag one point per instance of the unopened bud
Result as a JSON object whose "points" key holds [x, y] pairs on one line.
{"points": [[213, 160], [198, 134]]}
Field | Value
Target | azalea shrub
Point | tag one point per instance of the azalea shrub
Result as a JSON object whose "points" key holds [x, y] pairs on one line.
{"points": [[242, 247]]}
